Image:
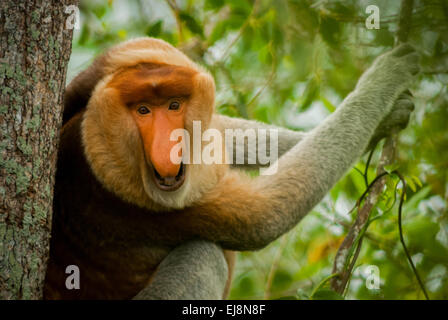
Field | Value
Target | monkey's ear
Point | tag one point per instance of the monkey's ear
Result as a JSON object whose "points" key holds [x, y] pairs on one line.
{"points": [[202, 100]]}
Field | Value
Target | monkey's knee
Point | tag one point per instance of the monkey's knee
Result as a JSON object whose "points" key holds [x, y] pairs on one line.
{"points": [[195, 270]]}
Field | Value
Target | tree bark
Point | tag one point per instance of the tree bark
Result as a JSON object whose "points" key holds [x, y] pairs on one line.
{"points": [[35, 48]]}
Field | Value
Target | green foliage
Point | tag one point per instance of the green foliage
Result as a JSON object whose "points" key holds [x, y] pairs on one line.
{"points": [[326, 294], [155, 29], [191, 23], [287, 60]]}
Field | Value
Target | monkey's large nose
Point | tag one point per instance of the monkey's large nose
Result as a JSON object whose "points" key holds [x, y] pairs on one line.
{"points": [[160, 157], [168, 174], [164, 166], [164, 153]]}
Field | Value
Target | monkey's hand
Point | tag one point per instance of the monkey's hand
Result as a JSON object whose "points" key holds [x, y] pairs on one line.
{"points": [[389, 76], [396, 120]]}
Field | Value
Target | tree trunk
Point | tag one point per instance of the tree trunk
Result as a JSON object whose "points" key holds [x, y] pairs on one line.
{"points": [[34, 51]]}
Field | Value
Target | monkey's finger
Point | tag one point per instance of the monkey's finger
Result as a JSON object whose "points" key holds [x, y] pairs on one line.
{"points": [[404, 103], [404, 120], [402, 49], [399, 118], [413, 60], [407, 94]]}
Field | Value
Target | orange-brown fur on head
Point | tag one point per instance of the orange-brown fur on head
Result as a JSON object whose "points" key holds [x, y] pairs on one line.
{"points": [[154, 83], [141, 70]]}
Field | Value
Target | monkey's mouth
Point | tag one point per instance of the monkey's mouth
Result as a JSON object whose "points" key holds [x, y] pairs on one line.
{"points": [[169, 183]]}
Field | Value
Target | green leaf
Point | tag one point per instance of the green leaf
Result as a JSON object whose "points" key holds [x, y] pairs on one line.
{"points": [[417, 181], [214, 4], [311, 92], [411, 184], [264, 55], [330, 30], [229, 110], [384, 37], [191, 23], [390, 183], [99, 11], [85, 34], [261, 113], [155, 29], [326, 294], [240, 6], [391, 167], [416, 198], [218, 32], [282, 280], [330, 107]]}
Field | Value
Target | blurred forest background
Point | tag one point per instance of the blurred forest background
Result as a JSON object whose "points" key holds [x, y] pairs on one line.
{"points": [[290, 63]]}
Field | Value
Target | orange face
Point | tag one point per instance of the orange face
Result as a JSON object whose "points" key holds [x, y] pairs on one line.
{"points": [[157, 97], [156, 123]]}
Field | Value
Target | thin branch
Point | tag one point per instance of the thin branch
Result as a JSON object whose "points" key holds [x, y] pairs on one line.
{"points": [[322, 284], [240, 32], [404, 27], [260, 91], [342, 264], [352, 264], [359, 171], [242, 110], [405, 21], [344, 261], [400, 230], [366, 171], [268, 82], [435, 71], [273, 269]]}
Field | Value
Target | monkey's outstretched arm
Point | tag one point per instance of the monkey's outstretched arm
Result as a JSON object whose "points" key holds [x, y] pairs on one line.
{"points": [[193, 271], [398, 118], [243, 214]]}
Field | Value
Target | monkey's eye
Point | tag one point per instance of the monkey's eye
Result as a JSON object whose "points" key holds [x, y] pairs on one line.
{"points": [[174, 105], [143, 110]]}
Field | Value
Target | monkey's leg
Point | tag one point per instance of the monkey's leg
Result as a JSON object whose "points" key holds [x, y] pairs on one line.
{"points": [[195, 270]]}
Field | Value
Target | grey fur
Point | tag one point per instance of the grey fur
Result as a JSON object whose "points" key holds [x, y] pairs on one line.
{"points": [[195, 270], [286, 138], [397, 119]]}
